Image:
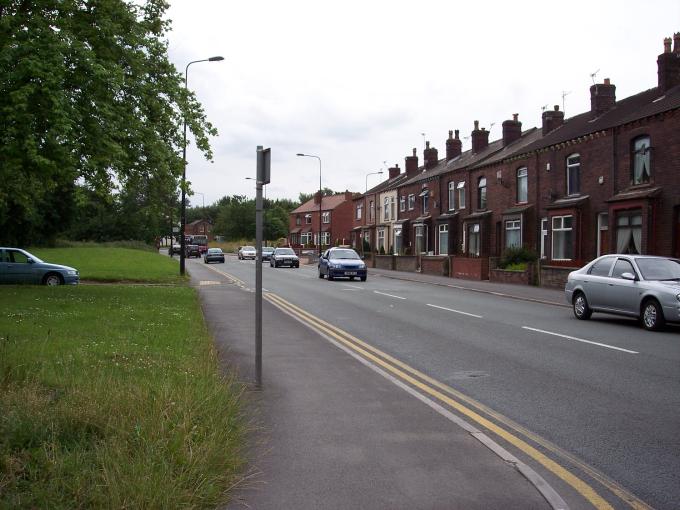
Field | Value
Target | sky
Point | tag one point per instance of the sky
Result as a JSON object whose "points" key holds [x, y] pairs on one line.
{"points": [[361, 83]]}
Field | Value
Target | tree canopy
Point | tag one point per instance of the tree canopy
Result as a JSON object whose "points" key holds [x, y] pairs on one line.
{"points": [[91, 110]]}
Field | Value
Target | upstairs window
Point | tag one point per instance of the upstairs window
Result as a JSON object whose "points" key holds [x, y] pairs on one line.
{"points": [[308, 219], [425, 195], [641, 153], [371, 210], [452, 195], [298, 221], [573, 174], [386, 209], [326, 217], [522, 185], [393, 212], [460, 188], [411, 202], [360, 208], [402, 203], [481, 193]]}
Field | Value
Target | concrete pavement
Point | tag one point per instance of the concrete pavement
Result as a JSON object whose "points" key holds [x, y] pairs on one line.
{"points": [[329, 432]]}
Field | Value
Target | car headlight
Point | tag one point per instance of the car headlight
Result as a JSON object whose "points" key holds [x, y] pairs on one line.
{"points": [[677, 297], [71, 273], [333, 266]]}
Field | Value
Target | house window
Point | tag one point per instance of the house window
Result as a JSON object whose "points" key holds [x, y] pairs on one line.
{"points": [[443, 239], [573, 171], [411, 202], [397, 240], [367, 241], [460, 187], [562, 238], [473, 240], [481, 193], [381, 240], [426, 202], [629, 232], [402, 203], [386, 209], [452, 193], [513, 233], [602, 234], [293, 239], [326, 238], [421, 238], [522, 185], [308, 219], [544, 237], [371, 210], [326, 217], [641, 152], [393, 212], [360, 208], [298, 221], [306, 238]]}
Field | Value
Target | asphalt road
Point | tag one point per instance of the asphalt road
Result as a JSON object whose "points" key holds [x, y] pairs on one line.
{"points": [[600, 394]]}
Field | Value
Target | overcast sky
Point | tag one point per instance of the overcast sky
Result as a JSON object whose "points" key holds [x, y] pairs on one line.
{"points": [[358, 82]]}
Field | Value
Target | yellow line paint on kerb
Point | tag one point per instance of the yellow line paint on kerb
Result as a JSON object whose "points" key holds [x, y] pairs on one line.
{"points": [[362, 348]]}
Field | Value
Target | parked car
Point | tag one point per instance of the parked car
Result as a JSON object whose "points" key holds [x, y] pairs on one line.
{"points": [[20, 266], [213, 255], [267, 252], [342, 262], [284, 257], [192, 251], [246, 252], [640, 286]]}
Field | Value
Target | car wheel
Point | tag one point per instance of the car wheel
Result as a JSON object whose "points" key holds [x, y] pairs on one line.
{"points": [[652, 316], [53, 279], [582, 310], [363, 278], [330, 277]]}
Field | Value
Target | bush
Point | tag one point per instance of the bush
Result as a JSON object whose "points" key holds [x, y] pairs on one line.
{"points": [[382, 250], [517, 257]]}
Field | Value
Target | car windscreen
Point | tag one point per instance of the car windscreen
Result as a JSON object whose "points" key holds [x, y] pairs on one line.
{"points": [[659, 269], [267, 249], [285, 251], [248, 248], [214, 250], [344, 254]]}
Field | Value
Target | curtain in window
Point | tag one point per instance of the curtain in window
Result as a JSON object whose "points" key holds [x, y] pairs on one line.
{"points": [[443, 240], [641, 161]]}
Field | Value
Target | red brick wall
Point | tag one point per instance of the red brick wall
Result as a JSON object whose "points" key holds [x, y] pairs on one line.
{"points": [[435, 265], [406, 263], [470, 268]]}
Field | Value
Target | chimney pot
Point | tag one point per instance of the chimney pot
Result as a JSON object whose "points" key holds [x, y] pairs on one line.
{"points": [[412, 164], [557, 108], [414, 151], [515, 116], [427, 145], [512, 130], [606, 81], [669, 63], [476, 125], [480, 138], [430, 156], [456, 132], [667, 44], [450, 134], [676, 39], [454, 146]]}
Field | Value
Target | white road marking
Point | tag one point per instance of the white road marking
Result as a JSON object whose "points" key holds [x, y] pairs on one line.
{"points": [[354, 286], [390, 295], [454, 311], [580, 340]]}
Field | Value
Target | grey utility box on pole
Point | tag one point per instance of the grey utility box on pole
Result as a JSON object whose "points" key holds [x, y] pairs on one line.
{"points": [[263, 175]]}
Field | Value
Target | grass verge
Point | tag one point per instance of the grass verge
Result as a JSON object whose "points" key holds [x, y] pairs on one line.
{"points": [[109, 264], [110, 396]]}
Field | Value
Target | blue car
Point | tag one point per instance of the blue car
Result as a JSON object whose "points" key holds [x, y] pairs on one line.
{"points": [[342, 263], [20, 266]]}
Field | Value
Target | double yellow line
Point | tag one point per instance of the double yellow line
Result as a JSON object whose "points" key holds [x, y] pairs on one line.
{"points": [[464, 405]]}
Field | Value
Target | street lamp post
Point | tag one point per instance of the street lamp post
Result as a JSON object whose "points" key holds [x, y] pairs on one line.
{"points": [[372, 173], [183, 216], [320, 193]]}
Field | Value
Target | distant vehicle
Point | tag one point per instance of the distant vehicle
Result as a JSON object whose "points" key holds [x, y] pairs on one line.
{"points": [[201, 241], [175, 248], [284, 257], [640, 286], [246, 252], [267, 252], [20, 266], [192, 251], [213, 255], [341, 262]]}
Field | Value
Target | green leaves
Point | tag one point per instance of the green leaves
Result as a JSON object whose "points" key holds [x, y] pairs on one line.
{"points": [[87, 96]]}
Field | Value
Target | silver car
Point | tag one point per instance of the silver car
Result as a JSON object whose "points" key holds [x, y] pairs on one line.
{"points": [[20, 266], [247, 252], [639, 286]]}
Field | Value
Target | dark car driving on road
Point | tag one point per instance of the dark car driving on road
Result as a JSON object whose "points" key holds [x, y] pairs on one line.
{"points": [[193, 251], [213, 255], [284, 257], [267, 252], [20, 266], [342, 262], [640, 286]]}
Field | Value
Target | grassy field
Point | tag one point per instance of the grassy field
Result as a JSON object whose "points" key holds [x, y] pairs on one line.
{"points": [[111, 264], [110, 396]]}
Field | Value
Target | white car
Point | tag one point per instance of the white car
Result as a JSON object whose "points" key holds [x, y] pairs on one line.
{"points": [[247, 252]]}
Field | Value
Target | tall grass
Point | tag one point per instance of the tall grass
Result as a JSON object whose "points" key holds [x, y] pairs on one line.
{"points": [[102, 263], [110, 397]]}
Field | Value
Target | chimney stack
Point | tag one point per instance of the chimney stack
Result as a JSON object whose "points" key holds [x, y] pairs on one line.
{"points": [[552, 119], [454, 146], [317, 197], [480, 138], [394, 171], [430, 156], [412, 164], [512, 130], [669, 63], [602, 97]]}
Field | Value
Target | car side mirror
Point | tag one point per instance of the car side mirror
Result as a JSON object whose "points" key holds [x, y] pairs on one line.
{"points": [[29, 260], [629, 276]]}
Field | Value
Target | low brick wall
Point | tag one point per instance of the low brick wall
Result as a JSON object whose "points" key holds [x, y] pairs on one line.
{"points": [[384, 262], [470, 268], [369, 259], [526, 277], [437, 265], [555, 276], [406, 263]]}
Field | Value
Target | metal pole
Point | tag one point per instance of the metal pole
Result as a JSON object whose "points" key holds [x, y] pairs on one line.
{"points": [[320, 201], [258, 272]]}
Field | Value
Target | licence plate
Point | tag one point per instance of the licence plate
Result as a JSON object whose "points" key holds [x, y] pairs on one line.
{"points": [[350, 273]]}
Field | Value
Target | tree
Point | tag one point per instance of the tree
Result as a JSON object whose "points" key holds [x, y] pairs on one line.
{"points": [[89, 99], [306, 197]]}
